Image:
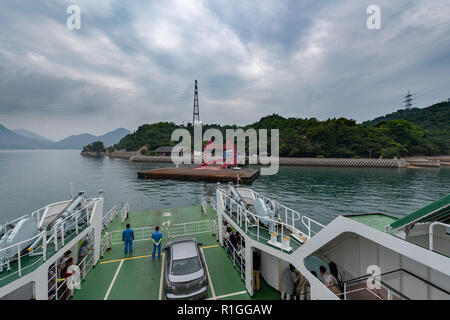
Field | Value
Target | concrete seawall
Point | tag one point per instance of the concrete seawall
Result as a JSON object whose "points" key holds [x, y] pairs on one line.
{"points": [[312, 162], [343, 162], [122, 154]]}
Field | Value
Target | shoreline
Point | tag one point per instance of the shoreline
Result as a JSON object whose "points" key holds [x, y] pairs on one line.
{"points": [[410, 162]]}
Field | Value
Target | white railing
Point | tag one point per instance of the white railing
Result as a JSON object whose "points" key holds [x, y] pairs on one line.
{"points": [[86, 264], [190, 228], [53, 283], [105, 243], [57, 287], [124, 212], [215, 228], [286, 215], [107, 218], [140, 234], [430, 232], [204, 207], [309, 223], [213, 204], [17, 252], [237, 257], [246, 220], [37, 215], [70, 225], [61, 230]]}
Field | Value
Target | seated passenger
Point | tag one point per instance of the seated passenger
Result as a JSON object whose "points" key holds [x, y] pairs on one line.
{"points": [[329, 280], [336, 275]]}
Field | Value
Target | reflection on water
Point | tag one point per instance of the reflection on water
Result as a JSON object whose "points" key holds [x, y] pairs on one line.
{"points": [[32, 179]]}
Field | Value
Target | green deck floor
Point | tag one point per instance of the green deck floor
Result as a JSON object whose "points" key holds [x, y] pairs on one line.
{"points": [[377, 221], [139, 276]]}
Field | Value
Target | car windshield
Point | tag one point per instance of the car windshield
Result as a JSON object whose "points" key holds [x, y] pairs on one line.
{"points": [[185, 266]]}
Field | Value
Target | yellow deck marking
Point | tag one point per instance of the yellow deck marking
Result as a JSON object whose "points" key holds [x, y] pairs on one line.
{"points": [[124, 259], [161, 279], [147, 256], [162, 272], [228, 295], [209, 276], [212, 246], [113, 280]]}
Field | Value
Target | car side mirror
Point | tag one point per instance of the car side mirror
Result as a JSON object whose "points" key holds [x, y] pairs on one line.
{"points": [[199, 243], [166, 248]]}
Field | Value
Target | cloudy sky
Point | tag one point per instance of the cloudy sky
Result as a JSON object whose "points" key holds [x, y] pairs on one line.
{"points": [[135, 62]]}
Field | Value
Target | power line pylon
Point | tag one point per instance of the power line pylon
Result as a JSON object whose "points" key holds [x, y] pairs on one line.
{"points": [[408, 100], [196, 115]]}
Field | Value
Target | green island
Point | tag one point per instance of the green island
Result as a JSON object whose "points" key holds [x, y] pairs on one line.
{"points": [[95, 149], [403, 133]]}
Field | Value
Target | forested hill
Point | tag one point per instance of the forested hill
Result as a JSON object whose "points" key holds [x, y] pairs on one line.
{"points": [[435, 118], [333, 137]]}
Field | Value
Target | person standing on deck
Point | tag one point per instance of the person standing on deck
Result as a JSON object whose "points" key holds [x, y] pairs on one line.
{"points": [[127, 238], [156, 238], [289, 278]]}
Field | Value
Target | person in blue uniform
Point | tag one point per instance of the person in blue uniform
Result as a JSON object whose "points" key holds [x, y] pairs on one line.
{"points": [[157, 239], [127, 238]]}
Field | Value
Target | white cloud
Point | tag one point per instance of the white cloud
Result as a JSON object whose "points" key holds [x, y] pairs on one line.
{"points": [[135, 62]]}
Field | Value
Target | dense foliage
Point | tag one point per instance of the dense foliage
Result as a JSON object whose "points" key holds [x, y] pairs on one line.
{"points": [[386, 137], [434, 119], [96, 147]]}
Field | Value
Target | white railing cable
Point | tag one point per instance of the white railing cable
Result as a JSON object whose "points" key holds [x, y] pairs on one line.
{"points": [[124, 212]]}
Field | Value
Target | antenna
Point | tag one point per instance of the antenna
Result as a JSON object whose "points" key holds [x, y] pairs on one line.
{"points": [[196, 115], [408, 100]]}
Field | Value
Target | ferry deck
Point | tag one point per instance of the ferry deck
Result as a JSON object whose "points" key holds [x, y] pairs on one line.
{"points": [[137, 276]]}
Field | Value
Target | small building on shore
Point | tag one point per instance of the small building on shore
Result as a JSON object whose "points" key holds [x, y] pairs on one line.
{"points": [[167, 151]]}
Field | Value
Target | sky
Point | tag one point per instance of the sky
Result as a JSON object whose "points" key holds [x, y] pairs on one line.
{"points": [[135, 62]]}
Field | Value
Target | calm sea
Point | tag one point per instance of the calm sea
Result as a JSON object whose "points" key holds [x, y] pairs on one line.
{"points": [[30, 179]]}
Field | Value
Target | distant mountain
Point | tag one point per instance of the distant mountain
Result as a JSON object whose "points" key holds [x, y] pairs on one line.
{"points": [[30, 134], [81, 140], [12, 140], [29, 140], [113, 137], [75, 141]]}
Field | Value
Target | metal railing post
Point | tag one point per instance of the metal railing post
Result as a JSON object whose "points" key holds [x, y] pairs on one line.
{"points": [[345, 291], [309, 228], [246, 226], [56, 280], [55, 236], [257, 229], [44, 245], [76, 223], [62, 233], [84, 267], [293, 221], [19, 261]]}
